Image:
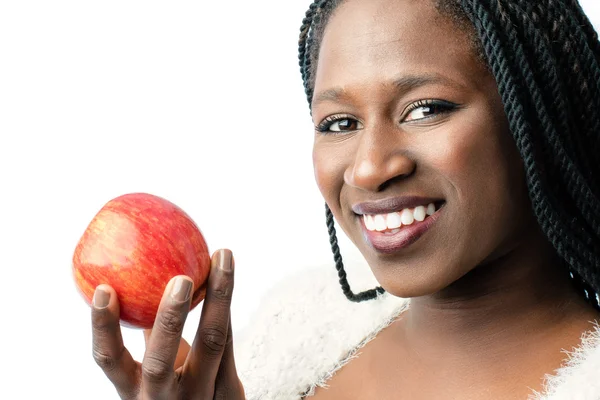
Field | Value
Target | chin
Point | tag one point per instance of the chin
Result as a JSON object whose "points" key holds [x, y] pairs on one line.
{"points": [[417, 279], [412, 289]]}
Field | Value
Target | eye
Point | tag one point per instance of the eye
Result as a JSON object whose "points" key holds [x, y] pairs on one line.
{"points": [[339, 124], [425, 109]]}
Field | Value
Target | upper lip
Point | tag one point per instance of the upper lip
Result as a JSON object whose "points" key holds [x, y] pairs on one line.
{"points": [[392, 204]]}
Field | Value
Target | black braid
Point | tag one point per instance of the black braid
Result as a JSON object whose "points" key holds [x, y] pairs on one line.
{"points": [[545, 57], [337, 257], [314, 17], [565, 202], [305, 43], [551, 144], [586, 26]]}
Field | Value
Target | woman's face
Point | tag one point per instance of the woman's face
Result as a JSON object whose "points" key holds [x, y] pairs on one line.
{"points": [[407, 117]]}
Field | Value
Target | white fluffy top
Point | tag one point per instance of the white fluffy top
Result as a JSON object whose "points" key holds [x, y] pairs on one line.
{"points": [[306, 330]]}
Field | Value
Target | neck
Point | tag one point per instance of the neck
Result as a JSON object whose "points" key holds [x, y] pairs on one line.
{"points": [[518, 297]]}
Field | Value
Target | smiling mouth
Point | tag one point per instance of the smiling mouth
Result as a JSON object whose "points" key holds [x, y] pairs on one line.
{"points": [[394, 231], [391, 223]]}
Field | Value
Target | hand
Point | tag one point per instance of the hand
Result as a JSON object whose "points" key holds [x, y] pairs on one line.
{"points": [[206, 372]]}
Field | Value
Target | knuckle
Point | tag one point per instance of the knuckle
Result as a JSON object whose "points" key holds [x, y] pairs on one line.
{"points": [[101, 324], [106, 362], [214, 340], [222, 289], [171, 322], [223, 293], [155, 370]]}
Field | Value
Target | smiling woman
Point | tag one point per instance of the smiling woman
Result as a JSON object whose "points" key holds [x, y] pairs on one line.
{"points": [[426, 127], [455, 145]]}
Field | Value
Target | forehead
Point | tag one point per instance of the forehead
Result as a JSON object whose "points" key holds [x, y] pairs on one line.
{"points": [[378, 41]]}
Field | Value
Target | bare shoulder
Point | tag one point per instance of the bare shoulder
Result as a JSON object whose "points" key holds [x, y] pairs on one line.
{"points": [[305, 328]]}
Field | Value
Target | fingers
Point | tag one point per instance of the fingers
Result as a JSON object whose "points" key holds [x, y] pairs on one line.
{"points": [[228, 385], [108, 349], [161, 349], [184, 349], [202, 365]]}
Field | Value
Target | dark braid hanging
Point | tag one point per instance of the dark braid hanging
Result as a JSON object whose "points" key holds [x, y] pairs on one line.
{"points": [[312, 18], [304, 45], [528, 63], [339, 265], [545, 57]]}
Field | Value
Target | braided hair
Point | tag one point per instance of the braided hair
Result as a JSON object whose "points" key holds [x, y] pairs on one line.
{"points": [[545, 58]]}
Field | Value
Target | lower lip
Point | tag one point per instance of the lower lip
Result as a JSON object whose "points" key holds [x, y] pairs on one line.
{"points": [[386, 242]]}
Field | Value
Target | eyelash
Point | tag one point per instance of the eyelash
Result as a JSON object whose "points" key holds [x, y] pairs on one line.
{"points": [[442, 107], [325, 125]]}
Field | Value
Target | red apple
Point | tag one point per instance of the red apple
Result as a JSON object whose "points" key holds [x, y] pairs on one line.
{"points": [[136, 243]]}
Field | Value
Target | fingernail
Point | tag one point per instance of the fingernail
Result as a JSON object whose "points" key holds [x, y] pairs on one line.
{"points": [[226, 260], [181, 290], [101, 298]]}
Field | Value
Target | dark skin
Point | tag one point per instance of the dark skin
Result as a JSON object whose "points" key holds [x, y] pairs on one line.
{"points": [[171, 368], [491, 308]]}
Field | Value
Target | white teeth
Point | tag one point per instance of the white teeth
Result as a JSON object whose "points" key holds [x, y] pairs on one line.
{"points": [[431, 209], [407, 217], [369, 222], [393, 220], [380, 223], [420, 213]]}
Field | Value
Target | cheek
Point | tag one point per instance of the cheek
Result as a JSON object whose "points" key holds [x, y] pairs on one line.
{"points": [[472, 159], [478, 154], [329, 169], [480, 160]]}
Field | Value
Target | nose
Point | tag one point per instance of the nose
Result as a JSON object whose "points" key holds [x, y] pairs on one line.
{"points": [[380, 159]]}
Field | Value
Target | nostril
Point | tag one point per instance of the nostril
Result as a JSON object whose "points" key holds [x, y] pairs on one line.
{"points": [[392, 181], [376, 171]]}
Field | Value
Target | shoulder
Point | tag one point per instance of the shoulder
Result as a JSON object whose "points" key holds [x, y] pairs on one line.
{"points": [[578, 378], [304, 328]]}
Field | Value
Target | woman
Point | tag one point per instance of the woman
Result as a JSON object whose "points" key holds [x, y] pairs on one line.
{"points": [[455, 145]]}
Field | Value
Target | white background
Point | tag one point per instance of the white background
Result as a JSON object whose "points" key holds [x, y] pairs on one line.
{"points": [[198, 102]]}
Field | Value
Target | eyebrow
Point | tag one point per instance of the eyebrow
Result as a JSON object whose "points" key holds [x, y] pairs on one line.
{"points": [[404, 84]]}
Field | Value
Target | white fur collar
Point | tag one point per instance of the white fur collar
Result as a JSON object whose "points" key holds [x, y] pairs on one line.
{"points": [[306, 330], [578, 379]]}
